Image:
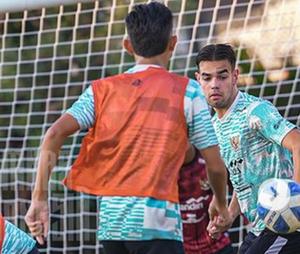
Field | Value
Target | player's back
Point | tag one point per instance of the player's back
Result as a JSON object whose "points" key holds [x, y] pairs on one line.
{"points": [[141, 129]]}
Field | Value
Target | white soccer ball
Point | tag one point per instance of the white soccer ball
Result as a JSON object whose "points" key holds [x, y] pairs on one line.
{"points": [[279, 205]]}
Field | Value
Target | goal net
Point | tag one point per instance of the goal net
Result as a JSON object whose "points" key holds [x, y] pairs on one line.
{"points": [[50, 53]]}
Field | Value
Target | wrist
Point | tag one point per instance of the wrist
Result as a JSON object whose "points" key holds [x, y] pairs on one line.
{"points": [[233, 215], [39, 195], [221, 203]]}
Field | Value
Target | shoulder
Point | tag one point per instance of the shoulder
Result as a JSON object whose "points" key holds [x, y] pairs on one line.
{"points": [[109, 79], [247, 99], [262, 113], [260, 108], [177, 76], [105, 85], [194, 97], [193, 89], [246, 103], [194, 85]]}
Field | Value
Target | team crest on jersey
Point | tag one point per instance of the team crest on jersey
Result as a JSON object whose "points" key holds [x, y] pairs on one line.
{"points": [[255, 123], [235, 142], [204, 185]]}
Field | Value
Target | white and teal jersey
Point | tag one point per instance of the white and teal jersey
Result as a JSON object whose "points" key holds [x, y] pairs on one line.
{"points": [[140, 218], [250, 136], [16, 240]]}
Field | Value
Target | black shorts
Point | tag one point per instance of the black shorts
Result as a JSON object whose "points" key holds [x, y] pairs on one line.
{"points": [[269, 242], [34, 251], [143, 247], [226, 250]]}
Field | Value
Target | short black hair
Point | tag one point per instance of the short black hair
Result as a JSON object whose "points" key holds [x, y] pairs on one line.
{"points": [[149, 27], [217, 52]]}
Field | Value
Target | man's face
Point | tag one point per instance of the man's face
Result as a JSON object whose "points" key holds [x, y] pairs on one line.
{"points": [[219, 83]]}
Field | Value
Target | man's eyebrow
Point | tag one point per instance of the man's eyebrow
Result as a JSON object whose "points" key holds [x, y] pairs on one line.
{"points": [[218, 72], [222, 71]]}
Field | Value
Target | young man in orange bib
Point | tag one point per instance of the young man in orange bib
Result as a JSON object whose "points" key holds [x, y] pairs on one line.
{"points": [[139, 125]]}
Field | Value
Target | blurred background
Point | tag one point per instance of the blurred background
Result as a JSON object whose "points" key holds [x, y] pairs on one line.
{"points": [[50, 53]]}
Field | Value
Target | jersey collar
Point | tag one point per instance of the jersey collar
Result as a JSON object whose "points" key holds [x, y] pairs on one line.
{"points": [[142, 67], [230, 109]]}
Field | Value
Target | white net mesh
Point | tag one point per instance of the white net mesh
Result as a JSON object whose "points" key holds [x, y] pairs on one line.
{"points": [[49, 56]]}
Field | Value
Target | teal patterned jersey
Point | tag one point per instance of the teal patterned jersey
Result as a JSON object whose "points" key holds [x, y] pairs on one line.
{"points": [[250, 136], [138, 218], [16, 241]]}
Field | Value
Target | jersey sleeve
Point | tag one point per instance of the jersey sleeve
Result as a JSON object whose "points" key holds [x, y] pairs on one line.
{"points": [[16, 240], [83, 110], [200, 129], [265, 118]]}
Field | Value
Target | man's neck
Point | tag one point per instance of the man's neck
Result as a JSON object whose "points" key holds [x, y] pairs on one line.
{"points": [[222, 112], [160, 60]]}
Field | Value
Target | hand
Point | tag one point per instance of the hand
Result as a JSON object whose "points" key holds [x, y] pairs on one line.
{"points": [[217, 226], [215, 209], [37, 220], [212, 230], [220, 220], [212, 209]]}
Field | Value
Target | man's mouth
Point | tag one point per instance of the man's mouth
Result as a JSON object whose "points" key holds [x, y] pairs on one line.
{"points": [[215, 96]]}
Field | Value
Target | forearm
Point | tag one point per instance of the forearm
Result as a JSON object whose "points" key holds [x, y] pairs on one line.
{"points": [[47, 160], [234, 207], [292, 142], [50, 148], [217, 179], [296, 154], [296, 161], [217, 173]]}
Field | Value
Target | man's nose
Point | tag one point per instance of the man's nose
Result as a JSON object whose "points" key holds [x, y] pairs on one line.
{"points": [[214, 83]]}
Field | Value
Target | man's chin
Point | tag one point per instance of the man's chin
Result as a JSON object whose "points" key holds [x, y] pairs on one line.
{"points": [[214, 104]]}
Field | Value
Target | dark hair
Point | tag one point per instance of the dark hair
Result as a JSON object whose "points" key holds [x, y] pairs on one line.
{"points": [[149, 27], [216, 52]]}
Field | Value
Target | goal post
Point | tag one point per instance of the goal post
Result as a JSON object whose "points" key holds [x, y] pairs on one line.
{"points": [[51, 50]]}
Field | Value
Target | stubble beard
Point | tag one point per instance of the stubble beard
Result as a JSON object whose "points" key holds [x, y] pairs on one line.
{"points": [[217, 104]]}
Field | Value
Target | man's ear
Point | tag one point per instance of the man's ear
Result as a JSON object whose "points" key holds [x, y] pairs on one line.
{"points": [[197, 76], [128, 46], [172, 42], [236, 73]]}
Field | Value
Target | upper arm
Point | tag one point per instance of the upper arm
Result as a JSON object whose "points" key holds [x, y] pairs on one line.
{"points": [[55, 136], [83, 110], [265, 118], [189, 154], [291, 141], [212, 157], [63, 127]]}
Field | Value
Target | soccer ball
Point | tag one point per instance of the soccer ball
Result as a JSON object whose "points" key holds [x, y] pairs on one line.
{"points": [[279, 205]]}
